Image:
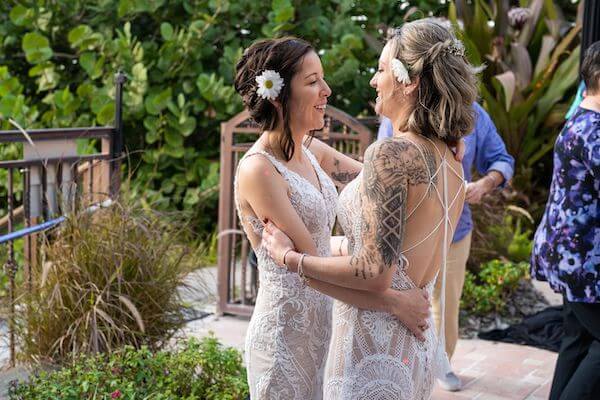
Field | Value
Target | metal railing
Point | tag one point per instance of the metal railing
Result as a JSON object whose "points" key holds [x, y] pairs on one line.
{"points": [[54, 178]]}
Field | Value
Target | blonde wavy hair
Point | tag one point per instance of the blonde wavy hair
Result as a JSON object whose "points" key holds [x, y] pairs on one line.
{"points": [[447, 81]]}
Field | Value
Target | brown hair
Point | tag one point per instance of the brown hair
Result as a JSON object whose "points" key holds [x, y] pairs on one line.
{"points": [[283, 55], [447, 82], [590, 68]]}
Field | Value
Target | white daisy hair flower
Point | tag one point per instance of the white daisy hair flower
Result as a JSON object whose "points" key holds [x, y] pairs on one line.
{"points": [[400, 72], [269, 84]]}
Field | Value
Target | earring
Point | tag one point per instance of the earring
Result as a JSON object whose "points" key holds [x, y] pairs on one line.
{"points": [[406, 92]]}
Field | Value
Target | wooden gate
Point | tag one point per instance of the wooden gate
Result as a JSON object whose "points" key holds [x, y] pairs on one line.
{"points": [[237, 280]]}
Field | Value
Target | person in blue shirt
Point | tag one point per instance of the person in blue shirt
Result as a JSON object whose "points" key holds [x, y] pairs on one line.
{"points": [[566, 245], [485, 151]]}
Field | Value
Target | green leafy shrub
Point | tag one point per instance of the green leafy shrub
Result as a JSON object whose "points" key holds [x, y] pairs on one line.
{"points": [[107, 280], [488, 290], [198, 370], [58, 59]]}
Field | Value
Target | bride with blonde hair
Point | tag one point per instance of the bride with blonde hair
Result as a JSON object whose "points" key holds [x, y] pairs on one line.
{"points": [[398, 215]]}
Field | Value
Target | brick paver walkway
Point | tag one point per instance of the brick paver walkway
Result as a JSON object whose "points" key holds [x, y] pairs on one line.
{"points": [[489, 370], [493, 371]]}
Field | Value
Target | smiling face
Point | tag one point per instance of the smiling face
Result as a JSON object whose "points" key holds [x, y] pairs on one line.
{"points": [[384, 82], [308, 95]]}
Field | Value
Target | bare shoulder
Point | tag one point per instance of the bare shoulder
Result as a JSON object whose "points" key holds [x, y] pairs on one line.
{"points": [[257, 171]]}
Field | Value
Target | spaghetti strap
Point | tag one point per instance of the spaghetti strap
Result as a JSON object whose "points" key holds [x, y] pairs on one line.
{"points": [[442, 361]]}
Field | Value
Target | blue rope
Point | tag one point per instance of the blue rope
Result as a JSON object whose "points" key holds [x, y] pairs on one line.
{"points": [[32, 229], [49, 224]]}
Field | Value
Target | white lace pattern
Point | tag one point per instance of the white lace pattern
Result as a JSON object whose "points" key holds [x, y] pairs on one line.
{"points": [[372, 355], [288, 335]]}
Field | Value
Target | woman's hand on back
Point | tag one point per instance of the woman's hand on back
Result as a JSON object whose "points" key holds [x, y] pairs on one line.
{"points": [[412, 308]]}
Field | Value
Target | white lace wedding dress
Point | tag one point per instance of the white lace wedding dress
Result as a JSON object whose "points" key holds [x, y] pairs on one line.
{"points": [[288, 335], [373, 355]]}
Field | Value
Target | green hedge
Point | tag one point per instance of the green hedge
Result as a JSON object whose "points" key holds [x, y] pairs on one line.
{"points": [[58, 59], [199, 370]]}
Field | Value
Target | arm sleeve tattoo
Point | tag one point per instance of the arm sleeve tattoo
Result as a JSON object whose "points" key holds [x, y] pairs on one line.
{"points": [[390, 167]]}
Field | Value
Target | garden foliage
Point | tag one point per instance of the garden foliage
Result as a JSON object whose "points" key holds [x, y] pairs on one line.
{"points": [[58, 60], [198, 370], [107, 279], [532, 67], [487, 291]]}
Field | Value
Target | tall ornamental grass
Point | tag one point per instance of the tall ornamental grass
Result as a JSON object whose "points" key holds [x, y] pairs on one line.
{"points": [[107, 280]]}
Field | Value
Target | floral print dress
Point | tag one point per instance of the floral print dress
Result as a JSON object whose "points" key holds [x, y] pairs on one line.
{"points": [[566, 249]]}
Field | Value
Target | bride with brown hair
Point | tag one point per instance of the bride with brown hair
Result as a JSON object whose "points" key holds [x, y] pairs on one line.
{"points": [[281, 180], [398, 215]]}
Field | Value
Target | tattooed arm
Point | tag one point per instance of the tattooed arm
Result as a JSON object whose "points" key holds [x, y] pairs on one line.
{"points": [[391, 166], [264, 191], [340, 168], [343, 169]]}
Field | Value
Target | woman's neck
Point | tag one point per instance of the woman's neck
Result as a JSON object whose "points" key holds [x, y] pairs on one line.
{"points": [[591, 102], [271, 140], [399, 122]]}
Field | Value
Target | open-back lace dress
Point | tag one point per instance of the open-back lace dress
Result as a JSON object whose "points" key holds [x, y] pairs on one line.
{"points": [[372, 354]]}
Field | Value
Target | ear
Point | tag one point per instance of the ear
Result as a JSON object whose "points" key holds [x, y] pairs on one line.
{"points": [[412, 86]]}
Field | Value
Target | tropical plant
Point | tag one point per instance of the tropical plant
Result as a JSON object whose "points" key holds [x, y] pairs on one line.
{"points": [[531, 56], [107, 279]]}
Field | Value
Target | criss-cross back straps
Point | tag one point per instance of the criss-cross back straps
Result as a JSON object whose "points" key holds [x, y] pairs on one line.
{"points": [[431, 184], [443, 366]]}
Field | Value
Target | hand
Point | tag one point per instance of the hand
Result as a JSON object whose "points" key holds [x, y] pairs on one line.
{"points": [[412, 308], [459, 150], [476, 190], [276, 243]]}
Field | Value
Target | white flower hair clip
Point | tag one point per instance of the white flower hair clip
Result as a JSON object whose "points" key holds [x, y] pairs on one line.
{"points": [[269, 84], [400, 72]]}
